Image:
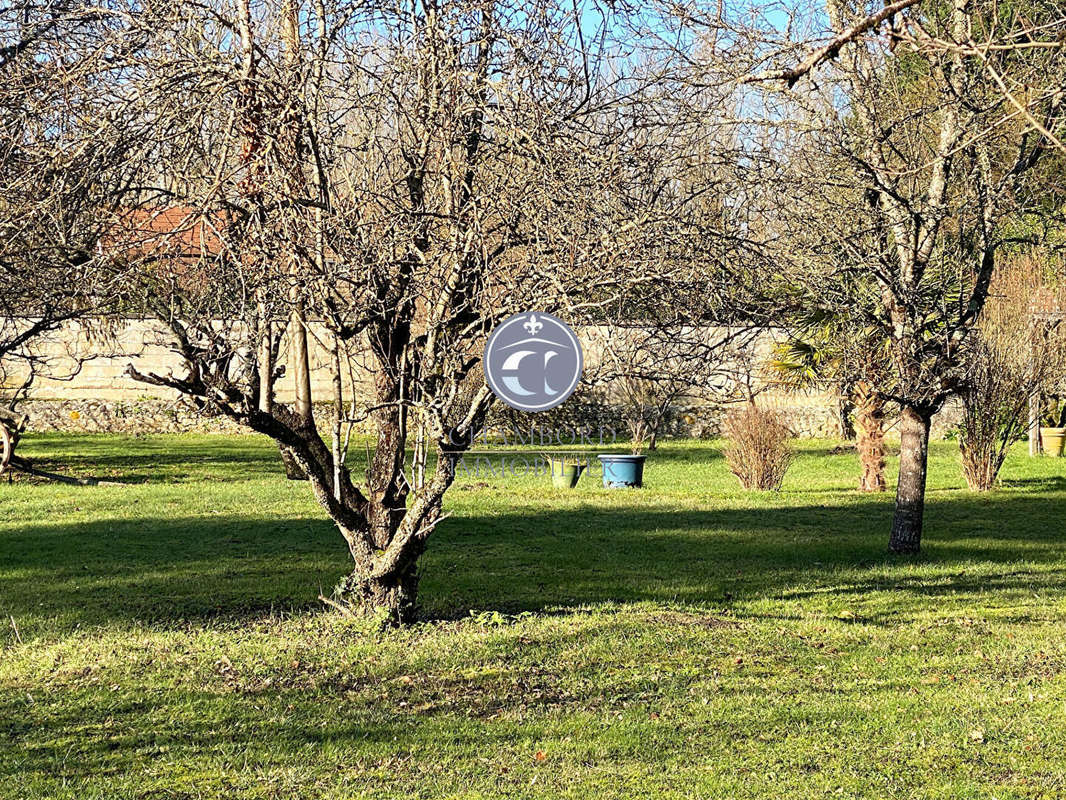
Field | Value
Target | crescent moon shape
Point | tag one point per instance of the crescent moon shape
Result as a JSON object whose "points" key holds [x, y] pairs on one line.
{"points": [[511, 382], [512, 360]]}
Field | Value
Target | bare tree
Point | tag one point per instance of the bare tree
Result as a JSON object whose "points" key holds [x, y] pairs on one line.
{"points": [[64, 168], [405, 178], [654, 371], [926, 164]]}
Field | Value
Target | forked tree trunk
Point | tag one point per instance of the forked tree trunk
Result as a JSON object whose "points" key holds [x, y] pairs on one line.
{"points": [[386, 531], [870, 438], [906, 534], [384, 581], [393, 597]]}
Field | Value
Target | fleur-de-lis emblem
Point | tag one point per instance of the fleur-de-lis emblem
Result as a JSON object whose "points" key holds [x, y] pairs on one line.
{"points": [[534, 325]]}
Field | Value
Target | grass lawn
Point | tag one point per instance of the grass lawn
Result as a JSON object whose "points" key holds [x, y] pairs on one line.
{"points": [[163, 639]]}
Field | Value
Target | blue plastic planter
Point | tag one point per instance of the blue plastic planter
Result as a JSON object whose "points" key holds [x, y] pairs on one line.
{"points": [[622, 471]]}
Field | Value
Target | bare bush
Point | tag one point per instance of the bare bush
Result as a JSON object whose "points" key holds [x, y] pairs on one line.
{"points": [[1012, 355], [654, 370], [760, 450], [993, 414]]}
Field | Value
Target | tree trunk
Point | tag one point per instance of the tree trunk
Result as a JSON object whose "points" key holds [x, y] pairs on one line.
{"points": [[298, 360], [383, 587], [394, 597], [301, 366], [293, 470], [301, 371], [1035, 411], [338, 419], [870, 438], [845, 407], [266, 364], [906, 534]]}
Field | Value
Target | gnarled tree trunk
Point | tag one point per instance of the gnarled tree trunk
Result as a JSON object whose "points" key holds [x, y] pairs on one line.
{"points": [[870, 437], [385, 552], [387, 527], [395, 597], [906, 534]]}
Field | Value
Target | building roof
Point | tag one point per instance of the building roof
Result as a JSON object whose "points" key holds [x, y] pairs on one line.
{"points": [[181, 232]]}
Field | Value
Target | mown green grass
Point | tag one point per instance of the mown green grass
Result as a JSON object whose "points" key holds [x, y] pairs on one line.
{"points": [[687, 640]]}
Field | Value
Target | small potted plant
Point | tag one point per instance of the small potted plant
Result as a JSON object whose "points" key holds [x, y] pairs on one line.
{"points": [[1053, 429], [565, 470]]}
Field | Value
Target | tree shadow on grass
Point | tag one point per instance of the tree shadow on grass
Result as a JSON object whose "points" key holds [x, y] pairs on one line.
{"points": [[718, 557], [139, 459], [175, 569], [205, 740], [1047, 483], [170, 569]]}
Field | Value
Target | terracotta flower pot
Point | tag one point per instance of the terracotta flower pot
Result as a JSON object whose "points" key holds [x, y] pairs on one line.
{"points": [[1052, 440]]}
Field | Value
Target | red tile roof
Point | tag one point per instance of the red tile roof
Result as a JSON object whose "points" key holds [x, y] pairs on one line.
{"points": [[181, 232]]}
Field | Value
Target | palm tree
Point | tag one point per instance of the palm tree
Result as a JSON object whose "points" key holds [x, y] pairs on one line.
{"points": [[825, 355]]}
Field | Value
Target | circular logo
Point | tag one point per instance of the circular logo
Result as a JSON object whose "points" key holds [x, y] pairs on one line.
{"points": [[532, 361]]}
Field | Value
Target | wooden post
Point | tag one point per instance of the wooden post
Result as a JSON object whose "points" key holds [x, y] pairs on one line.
{"points": [[1034, 424], [1034, 396]]}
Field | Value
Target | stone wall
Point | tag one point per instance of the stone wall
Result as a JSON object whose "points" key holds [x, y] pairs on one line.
{"points": [[141, 415], [86, 389], [88, 362], [807, 417]]}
